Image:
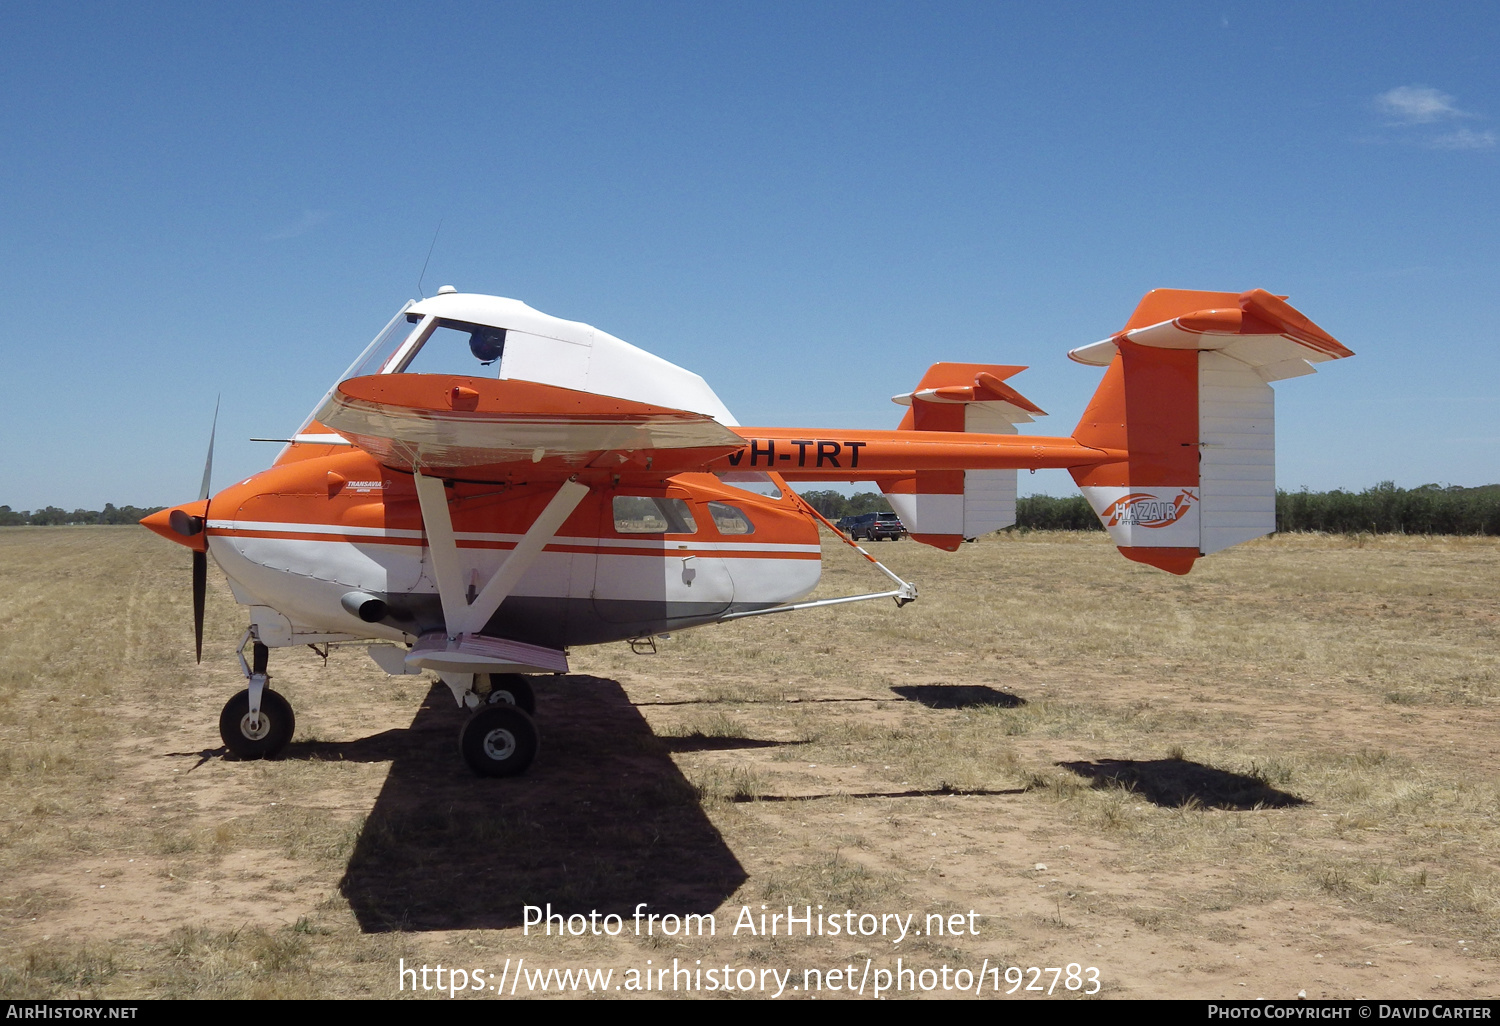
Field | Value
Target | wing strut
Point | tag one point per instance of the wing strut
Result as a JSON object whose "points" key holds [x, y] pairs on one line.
{"points": [[438, 523], [542, 530], [904, 593], [459, 615]]}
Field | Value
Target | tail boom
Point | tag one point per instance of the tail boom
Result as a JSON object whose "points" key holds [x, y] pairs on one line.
{"points": [[820, 454]]}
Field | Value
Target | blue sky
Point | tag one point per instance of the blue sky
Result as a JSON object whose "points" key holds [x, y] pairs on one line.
{"points": [[807, 204]]}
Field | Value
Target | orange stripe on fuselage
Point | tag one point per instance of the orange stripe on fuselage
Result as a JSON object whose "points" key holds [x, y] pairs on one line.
{"points": [[610, 546]]}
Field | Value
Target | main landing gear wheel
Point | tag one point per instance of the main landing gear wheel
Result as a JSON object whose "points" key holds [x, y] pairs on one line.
{"points": [[499, 741], [263, 738], [512, 689]]}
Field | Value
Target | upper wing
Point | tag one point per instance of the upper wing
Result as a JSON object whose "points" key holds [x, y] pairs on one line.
{"points": [[487, 427]]}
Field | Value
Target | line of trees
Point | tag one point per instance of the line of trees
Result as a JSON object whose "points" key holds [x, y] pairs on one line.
{"points": [[834, 504], [1386, 509], [52, 516], [1049, 513], [1383, 509]]}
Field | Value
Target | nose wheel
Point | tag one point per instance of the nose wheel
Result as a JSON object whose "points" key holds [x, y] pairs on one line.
{"points": [[499, 741], [262, 735]]}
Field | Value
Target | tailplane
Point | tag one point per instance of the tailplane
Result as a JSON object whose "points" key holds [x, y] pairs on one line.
{"points": [[1187, 397], [942, 508]]}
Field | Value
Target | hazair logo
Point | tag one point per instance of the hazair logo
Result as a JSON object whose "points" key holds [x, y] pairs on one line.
{"points": [[1144, 509]]}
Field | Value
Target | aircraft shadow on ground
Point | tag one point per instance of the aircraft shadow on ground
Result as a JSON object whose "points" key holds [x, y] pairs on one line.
{"points": [[705, 743], [1176, 783], [958, 696], [602, 820], [382, 747], [911, 792]]}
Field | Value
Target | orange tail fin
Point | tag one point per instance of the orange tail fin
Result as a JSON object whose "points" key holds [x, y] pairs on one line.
{"points": [[1187, 395]]}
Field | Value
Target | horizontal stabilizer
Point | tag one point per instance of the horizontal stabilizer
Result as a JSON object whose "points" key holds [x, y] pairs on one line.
{"points": [[981, 390], [1255, 328]]}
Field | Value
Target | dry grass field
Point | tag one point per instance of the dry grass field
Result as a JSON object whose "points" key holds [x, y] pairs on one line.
{"points": [[1275, 775]]}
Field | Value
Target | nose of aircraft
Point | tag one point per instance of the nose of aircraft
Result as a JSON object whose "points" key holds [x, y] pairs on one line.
{"points": [[181, 524]]}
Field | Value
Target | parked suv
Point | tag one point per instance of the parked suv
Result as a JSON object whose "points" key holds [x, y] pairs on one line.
{"points": [[875, 527]]}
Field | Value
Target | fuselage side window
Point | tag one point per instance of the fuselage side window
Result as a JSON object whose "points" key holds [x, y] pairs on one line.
{"points": [[730, 519], [644, 514]]}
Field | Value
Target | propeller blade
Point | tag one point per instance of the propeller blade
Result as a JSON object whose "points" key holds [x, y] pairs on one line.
{"points": [[200, 591], [200, 559], [208, 464]]}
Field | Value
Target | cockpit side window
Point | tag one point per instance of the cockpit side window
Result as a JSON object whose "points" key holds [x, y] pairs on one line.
{"points": [[458, 347]]}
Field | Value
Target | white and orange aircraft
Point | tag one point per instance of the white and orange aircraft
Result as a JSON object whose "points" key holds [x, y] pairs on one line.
{"points": [[488, 486]]}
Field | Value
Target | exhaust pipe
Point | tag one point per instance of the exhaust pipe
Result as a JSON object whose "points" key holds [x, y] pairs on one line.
{"points": [[365, 606]]}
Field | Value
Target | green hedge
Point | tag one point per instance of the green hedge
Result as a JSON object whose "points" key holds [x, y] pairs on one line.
{"points": [[1384, 509], [53, 516], [1048, 513], [834, 504]]}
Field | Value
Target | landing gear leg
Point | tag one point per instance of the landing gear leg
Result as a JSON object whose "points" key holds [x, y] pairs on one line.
{"points": [[257, 723]]}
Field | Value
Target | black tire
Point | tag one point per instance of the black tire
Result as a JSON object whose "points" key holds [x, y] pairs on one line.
{"points": [[499, 741], [277, 722], [512, 689]]}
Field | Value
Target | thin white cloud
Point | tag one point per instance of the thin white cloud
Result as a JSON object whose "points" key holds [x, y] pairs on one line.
{"points": [[309, 220], [1411, 109], [1417, 105], [1464, 139]]}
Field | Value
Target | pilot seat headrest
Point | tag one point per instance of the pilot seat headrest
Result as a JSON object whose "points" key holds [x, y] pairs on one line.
{"points": [[487, 344]]}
